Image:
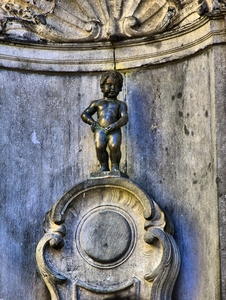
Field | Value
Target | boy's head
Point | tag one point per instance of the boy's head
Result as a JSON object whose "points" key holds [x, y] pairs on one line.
{"points": [[114, 75]]}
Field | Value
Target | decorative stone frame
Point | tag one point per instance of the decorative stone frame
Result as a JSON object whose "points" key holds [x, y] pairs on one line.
{"points": [[145, 264]]}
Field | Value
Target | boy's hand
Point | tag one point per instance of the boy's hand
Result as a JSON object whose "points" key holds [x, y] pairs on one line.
{"points": [[93, 126], [111, 127]]}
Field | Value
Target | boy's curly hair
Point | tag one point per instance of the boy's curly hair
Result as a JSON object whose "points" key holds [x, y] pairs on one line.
{"points": [[113, 74]]}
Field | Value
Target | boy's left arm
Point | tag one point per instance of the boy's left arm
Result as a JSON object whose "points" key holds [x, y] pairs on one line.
{"points": [[124, 116]]}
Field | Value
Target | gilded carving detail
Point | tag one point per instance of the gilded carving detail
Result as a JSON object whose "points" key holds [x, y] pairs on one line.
{"points": [[90, 20]]}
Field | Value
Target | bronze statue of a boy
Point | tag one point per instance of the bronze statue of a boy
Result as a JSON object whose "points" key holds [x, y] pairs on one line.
{"points": [[111, 116]]}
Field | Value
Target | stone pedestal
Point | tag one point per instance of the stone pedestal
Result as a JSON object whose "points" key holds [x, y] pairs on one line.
{"points": [[104, 238]]}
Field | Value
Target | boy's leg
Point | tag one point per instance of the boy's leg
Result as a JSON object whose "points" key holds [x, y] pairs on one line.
{"points": [[114, 146], [101, 144]]}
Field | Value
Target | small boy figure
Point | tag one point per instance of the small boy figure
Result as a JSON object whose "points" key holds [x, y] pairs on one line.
{"points": [[111, 116]]}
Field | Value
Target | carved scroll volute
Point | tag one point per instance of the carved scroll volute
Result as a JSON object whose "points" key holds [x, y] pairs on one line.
{"points": [[53, 238], [168, 267], [104, 219]]}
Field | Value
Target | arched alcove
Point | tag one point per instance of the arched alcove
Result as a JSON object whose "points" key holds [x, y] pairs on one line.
{"points": [[173, 145]]}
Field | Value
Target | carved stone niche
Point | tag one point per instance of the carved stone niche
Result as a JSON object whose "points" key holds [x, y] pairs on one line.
{"points": [[105, 237]]}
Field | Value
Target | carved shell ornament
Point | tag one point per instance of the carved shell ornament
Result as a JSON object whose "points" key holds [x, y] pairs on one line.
{"points": [[71, 21]]}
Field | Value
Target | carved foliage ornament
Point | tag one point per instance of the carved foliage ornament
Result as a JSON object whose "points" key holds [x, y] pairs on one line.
{"points": [[64, 21]]}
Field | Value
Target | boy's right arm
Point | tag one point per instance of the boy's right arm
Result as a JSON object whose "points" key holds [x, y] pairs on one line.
{"points": [[87, 115]]}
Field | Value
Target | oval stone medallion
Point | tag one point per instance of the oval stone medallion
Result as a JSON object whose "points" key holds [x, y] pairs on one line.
{"points": [[105, 236]]}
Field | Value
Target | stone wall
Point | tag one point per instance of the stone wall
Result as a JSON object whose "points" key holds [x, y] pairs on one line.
{"points": [[178, 163], [220, 108], [169, 149]]}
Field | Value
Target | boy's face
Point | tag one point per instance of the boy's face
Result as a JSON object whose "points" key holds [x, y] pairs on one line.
{"points": [[111, 87]]}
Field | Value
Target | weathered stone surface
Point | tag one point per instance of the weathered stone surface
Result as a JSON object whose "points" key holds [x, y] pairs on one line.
{"points": [[182, 175], [169, 150], [80, 21], [107, 237], [98, 56], [220, 113], [174, 144], [35, 111]]}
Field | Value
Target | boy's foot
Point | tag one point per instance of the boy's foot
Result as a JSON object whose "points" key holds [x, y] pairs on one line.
{"points": [[115, 168], [104, 169]]}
